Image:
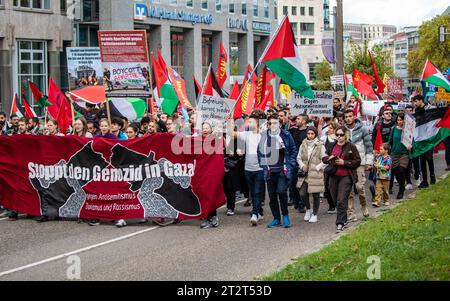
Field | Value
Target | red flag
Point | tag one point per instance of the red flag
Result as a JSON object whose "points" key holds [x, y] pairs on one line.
{"points": [[380, 83], [161, 61], [445, 121], [63, 121], [248, 91], [268, 99], [197, 86], [159, 74], [270, 75], [222, 67], [234, 91], [180, 87], [360, 82], [28, 110], [261, 88], [56, 98], [211, 86], [378, 140]]}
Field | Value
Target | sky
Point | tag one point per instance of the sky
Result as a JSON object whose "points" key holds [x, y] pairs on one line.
{"points": [[392, 12]]}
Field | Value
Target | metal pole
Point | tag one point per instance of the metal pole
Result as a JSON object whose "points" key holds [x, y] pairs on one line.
{"points": [[339, 37]]}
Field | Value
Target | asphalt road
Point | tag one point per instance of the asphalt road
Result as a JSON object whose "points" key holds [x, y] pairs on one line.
{"points": [[233, 251]]}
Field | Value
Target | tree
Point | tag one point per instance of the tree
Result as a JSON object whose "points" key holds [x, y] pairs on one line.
{"points": [[429, 45], [358, 58], [415, 63], [323, 72]]}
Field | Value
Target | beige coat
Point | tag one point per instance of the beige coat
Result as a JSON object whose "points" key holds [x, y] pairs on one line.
{"points": [[315, 179]]}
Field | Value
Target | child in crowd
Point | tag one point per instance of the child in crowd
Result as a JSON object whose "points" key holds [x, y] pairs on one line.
{"points": [[383, 167]]}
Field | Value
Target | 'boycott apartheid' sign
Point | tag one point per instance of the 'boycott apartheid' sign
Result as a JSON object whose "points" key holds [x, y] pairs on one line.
{"points": [[408, 131], [320, 106], [76, 177], [125, 62], [214, 110]]}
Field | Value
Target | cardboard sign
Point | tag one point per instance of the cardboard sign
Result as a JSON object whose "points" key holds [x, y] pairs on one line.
{"points": [[320, 106], [84, 67], [408, 131], [214, 110]]}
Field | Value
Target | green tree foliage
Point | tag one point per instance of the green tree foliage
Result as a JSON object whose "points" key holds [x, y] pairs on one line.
{"points": [[358, 58], [323, 72], [430, 47]]}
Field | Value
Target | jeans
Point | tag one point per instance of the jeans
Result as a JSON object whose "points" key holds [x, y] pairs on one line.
{"points": [[277, 185], [360, 189], [305, 196], [427, 158], [340, 188], [255, 181]]}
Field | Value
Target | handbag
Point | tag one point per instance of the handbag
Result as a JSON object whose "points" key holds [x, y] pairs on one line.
{"points": [[301, 173]]}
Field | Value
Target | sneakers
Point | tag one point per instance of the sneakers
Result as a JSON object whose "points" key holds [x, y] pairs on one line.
{"points": [[230, 212], [331, 211], [352, 219], [375, 205], [308, 215], [120, 223], [13, 216], [94, 222], [286, 222], [400, 196], [339, 228], [260, 217], [409, 187], [214, 221], [42, 219], [433, 179], [254, 220], [313, 219], [4, 213], [366, 212], [205, 224], [423, 185], [387, 204], [274, 223]]}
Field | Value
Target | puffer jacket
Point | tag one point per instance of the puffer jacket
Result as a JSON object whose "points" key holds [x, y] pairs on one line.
{"points": [[311, 154], [361, 138]]}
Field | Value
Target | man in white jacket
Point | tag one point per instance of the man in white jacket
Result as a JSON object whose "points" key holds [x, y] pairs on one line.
{"points": [[361, 138]]}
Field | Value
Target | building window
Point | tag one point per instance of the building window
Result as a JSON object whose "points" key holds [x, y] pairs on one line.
{"points": [[32, 66], [294, 29], [312, 69], [36, 4], [189, 3], [231, 6], [307, 29], [177, 46], [302, 41], [87, 36], [294, 10], [173, 2], [244, 8], [311, 11], [204, 4], [285, 10], [302, 11], [266, 9], [311, 41], [91, 10], [275, 9], [255, 8], [218, 5], [206, 54], [63, 6]]}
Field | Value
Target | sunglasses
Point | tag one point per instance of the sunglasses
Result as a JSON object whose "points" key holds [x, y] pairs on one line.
{"points": [[340, 135]]}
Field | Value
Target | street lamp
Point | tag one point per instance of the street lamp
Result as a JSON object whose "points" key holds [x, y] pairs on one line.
{"points": [[442, 34]]}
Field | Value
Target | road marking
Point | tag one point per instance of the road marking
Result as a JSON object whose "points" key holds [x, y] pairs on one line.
{"points": [[58, 257], [76, 251]]}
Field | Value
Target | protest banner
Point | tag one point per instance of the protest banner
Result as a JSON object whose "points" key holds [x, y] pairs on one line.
{"points": [[320, 106], [337, 82], [371, 108], [125, 61], [408, 131], [84, 67], [76, 177], [395, 88], [214, 110]]}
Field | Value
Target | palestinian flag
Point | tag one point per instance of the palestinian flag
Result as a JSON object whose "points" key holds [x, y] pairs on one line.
{"points": [[282, 56], [166, 93], [351, 91], [431, 128], [29, 112], [131, 108], [433, 76], [16, 109], [40, 99], [198, 87]]}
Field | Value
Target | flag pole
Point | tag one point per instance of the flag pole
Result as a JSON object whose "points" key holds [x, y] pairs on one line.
{"points": [[262, 56], [151, 87]]}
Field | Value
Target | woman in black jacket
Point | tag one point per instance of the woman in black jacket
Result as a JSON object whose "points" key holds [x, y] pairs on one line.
{"points": [[343, 159]]}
